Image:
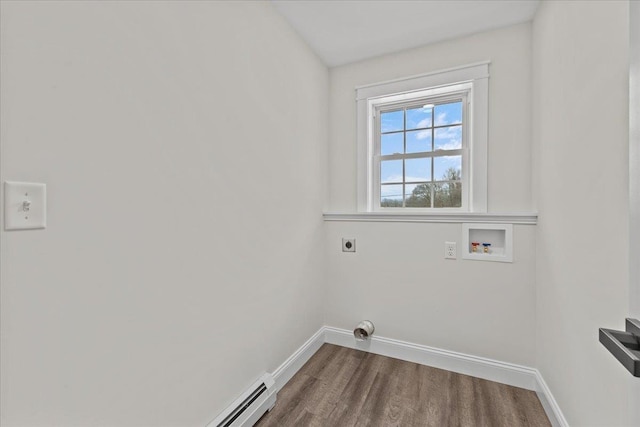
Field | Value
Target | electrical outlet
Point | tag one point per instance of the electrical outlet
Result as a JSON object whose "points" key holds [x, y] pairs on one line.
{"points": [[348, 245], [450, 250]]}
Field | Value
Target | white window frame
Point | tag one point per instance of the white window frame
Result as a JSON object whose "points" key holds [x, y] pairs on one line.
{"points": [[436, 96], [473, 80]]}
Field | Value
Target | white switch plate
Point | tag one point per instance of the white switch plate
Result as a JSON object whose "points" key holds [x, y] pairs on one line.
{"points": [[25, 205]]}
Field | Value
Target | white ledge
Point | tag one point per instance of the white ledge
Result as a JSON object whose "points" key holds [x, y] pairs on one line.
{"points": [[498, 218]]}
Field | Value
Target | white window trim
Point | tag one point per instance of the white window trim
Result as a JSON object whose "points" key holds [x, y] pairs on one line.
{"points": [[477, 75], [524, 218]]}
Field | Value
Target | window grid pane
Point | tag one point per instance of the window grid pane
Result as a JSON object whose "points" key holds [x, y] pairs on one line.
{"points": [[418, 118], [392, 121]]}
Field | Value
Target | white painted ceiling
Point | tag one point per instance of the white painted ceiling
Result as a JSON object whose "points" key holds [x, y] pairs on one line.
{"points": [[344, 31]]}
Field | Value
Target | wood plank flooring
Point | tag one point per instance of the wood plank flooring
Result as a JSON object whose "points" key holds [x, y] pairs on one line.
{"points": [[342, 387]]}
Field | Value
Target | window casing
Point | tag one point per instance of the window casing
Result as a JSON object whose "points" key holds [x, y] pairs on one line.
{"points": [[392, 162]]}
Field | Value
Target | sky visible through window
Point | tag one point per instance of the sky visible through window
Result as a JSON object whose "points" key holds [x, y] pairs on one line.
{"points": [[423, 129]]}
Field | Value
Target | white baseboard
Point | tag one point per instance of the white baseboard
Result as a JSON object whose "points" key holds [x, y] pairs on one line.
{"points": [[480, 367], [284, 372], [555, 415]]}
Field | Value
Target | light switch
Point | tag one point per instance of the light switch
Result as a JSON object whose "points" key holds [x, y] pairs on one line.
{"points": [[25, 205]]}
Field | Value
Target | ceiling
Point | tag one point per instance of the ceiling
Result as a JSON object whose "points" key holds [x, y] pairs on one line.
{"points": [[344, 31]]}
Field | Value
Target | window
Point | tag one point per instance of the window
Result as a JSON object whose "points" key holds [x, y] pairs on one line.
{"points": [[422, 143], [419, 152]]}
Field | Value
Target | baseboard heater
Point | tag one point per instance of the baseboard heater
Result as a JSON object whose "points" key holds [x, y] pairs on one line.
{"points": [[246, 410]]}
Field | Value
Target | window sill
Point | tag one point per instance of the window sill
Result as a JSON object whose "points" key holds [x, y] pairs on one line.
{"points": [[528, 218]]}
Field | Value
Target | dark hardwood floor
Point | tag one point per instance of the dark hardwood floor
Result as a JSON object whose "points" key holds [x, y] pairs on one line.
{"points": [[343, 387]]}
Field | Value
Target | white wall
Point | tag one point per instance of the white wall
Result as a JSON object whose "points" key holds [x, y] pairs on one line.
{"points": [[184, 149], [509, 51], [581, 146], [634, 156], [398, 277], [634, 184]]}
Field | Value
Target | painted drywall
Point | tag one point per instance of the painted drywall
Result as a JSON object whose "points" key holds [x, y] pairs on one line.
{"points": [[634, 157], [509, 146], [634, 184], [398, 277], [581, 131], [184, 250]]}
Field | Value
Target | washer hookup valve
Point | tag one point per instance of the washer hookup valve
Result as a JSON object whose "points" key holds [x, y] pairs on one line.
{"points": [[486, 247], [474, 246]]}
